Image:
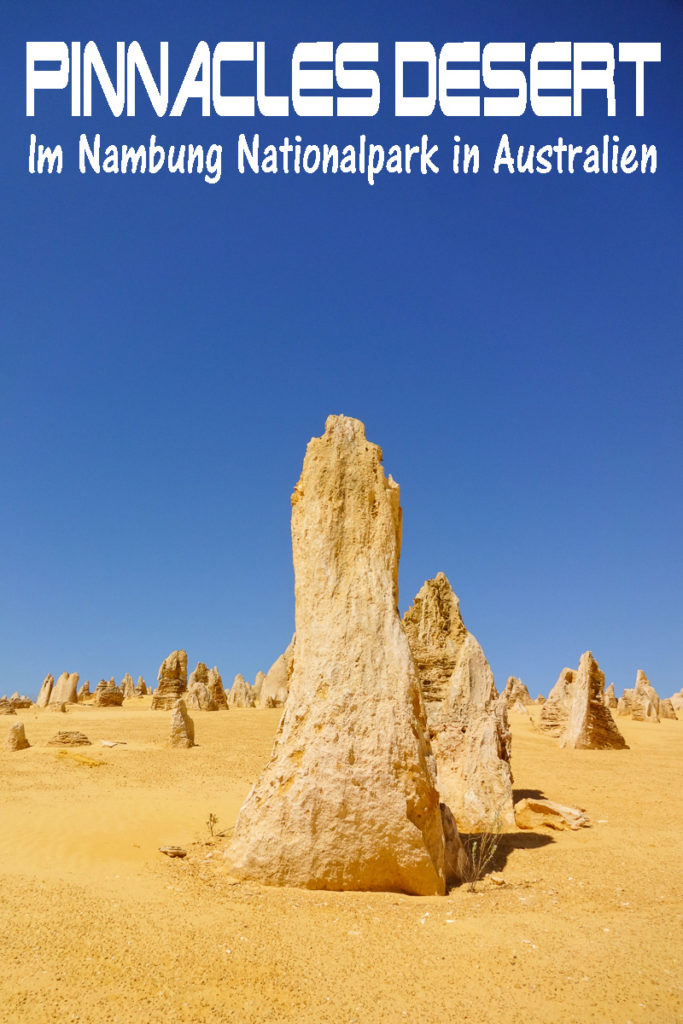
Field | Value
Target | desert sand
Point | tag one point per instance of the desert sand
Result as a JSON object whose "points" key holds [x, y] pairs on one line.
{"points": [[97, 925]]}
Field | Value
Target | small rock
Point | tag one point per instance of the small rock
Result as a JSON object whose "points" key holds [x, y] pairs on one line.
{"points": [[173, 851], [531, 813], [69, 739], [182, 726], [17, 737]]}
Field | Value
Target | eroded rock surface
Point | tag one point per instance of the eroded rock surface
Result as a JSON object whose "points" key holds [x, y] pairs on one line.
{"points": [[214, 685], [16, 739], [532, 813], [172, 681], [69, 739], [84, 692], [348, 799], [128, 687], [666, 708], [198, 695], [6, 707], [240, 695], [515, 693], [45, 691], [576, 712], [182, 726], [107, 694], [19, 702], [65, 690], [589, 724], [275, 686], [257, 687], [611, 697], [141, 687], [467, 720], [642, 702], [555, 710]]}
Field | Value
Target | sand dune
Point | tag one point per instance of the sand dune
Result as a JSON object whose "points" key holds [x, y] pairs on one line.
{"points": [[96, 925]]}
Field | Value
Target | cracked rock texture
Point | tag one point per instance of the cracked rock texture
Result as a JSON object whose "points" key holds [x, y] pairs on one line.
{"points": [[240, 695], [172, 679], [467, 720], [589, 724], [642, 702], [182, 726], [45, 691], [214, 684], [348, 799], [198, 695]]}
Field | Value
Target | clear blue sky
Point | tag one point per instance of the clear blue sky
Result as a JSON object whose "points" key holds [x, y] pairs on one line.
{"points": [[168, 348]]}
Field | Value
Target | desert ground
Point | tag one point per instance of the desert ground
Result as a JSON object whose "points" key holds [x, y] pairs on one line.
{"points": [[96, 925]]}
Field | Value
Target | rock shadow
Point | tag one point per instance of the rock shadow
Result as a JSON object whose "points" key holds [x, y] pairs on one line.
{"points": [[528, 794], [505, 844], [511, 841]]}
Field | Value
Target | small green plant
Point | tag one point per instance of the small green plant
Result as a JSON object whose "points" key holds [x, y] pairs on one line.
{"points": [[211, 823], [481, 848]]}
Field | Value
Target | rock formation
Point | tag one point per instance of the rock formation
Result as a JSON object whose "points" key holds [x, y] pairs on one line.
{"points": [[182, 726], [16, 739], [555, 710], [69, 739], [128, 687], [198, 695], [257, 687], [240, 696], [576, 712], [172, 680], [642, 702], [6, 707], [45, 691], [348, 799], [677, 701], [467, 719], [610, 697], [590, 725], [666, 709], [532, 813], [84, 692], [20, 702], [141, 687], [515, 692], [214, 685], [107, 694], [65, 690], [275, 686]]}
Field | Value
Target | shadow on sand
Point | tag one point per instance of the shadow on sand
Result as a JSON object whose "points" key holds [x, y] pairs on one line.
{"points": [[527, 794]]}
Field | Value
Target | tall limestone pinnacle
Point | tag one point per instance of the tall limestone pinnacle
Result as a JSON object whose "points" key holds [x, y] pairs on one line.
{"points": [[575, 711], [467, 719], [590, 725], [348, 799]]}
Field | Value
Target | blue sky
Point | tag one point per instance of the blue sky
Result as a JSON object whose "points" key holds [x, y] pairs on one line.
{"points": [[168, 347]]}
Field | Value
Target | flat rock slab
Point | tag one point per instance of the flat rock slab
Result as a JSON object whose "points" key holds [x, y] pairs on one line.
{"points": [[532, 813], [173, 851], [69, 739]]}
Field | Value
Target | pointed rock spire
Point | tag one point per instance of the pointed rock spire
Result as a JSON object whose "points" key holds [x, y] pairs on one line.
{"points": [[348, 799], [467, 719]]}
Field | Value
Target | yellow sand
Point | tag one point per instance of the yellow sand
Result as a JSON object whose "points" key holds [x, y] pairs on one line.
{"points": [[97, 926]]}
